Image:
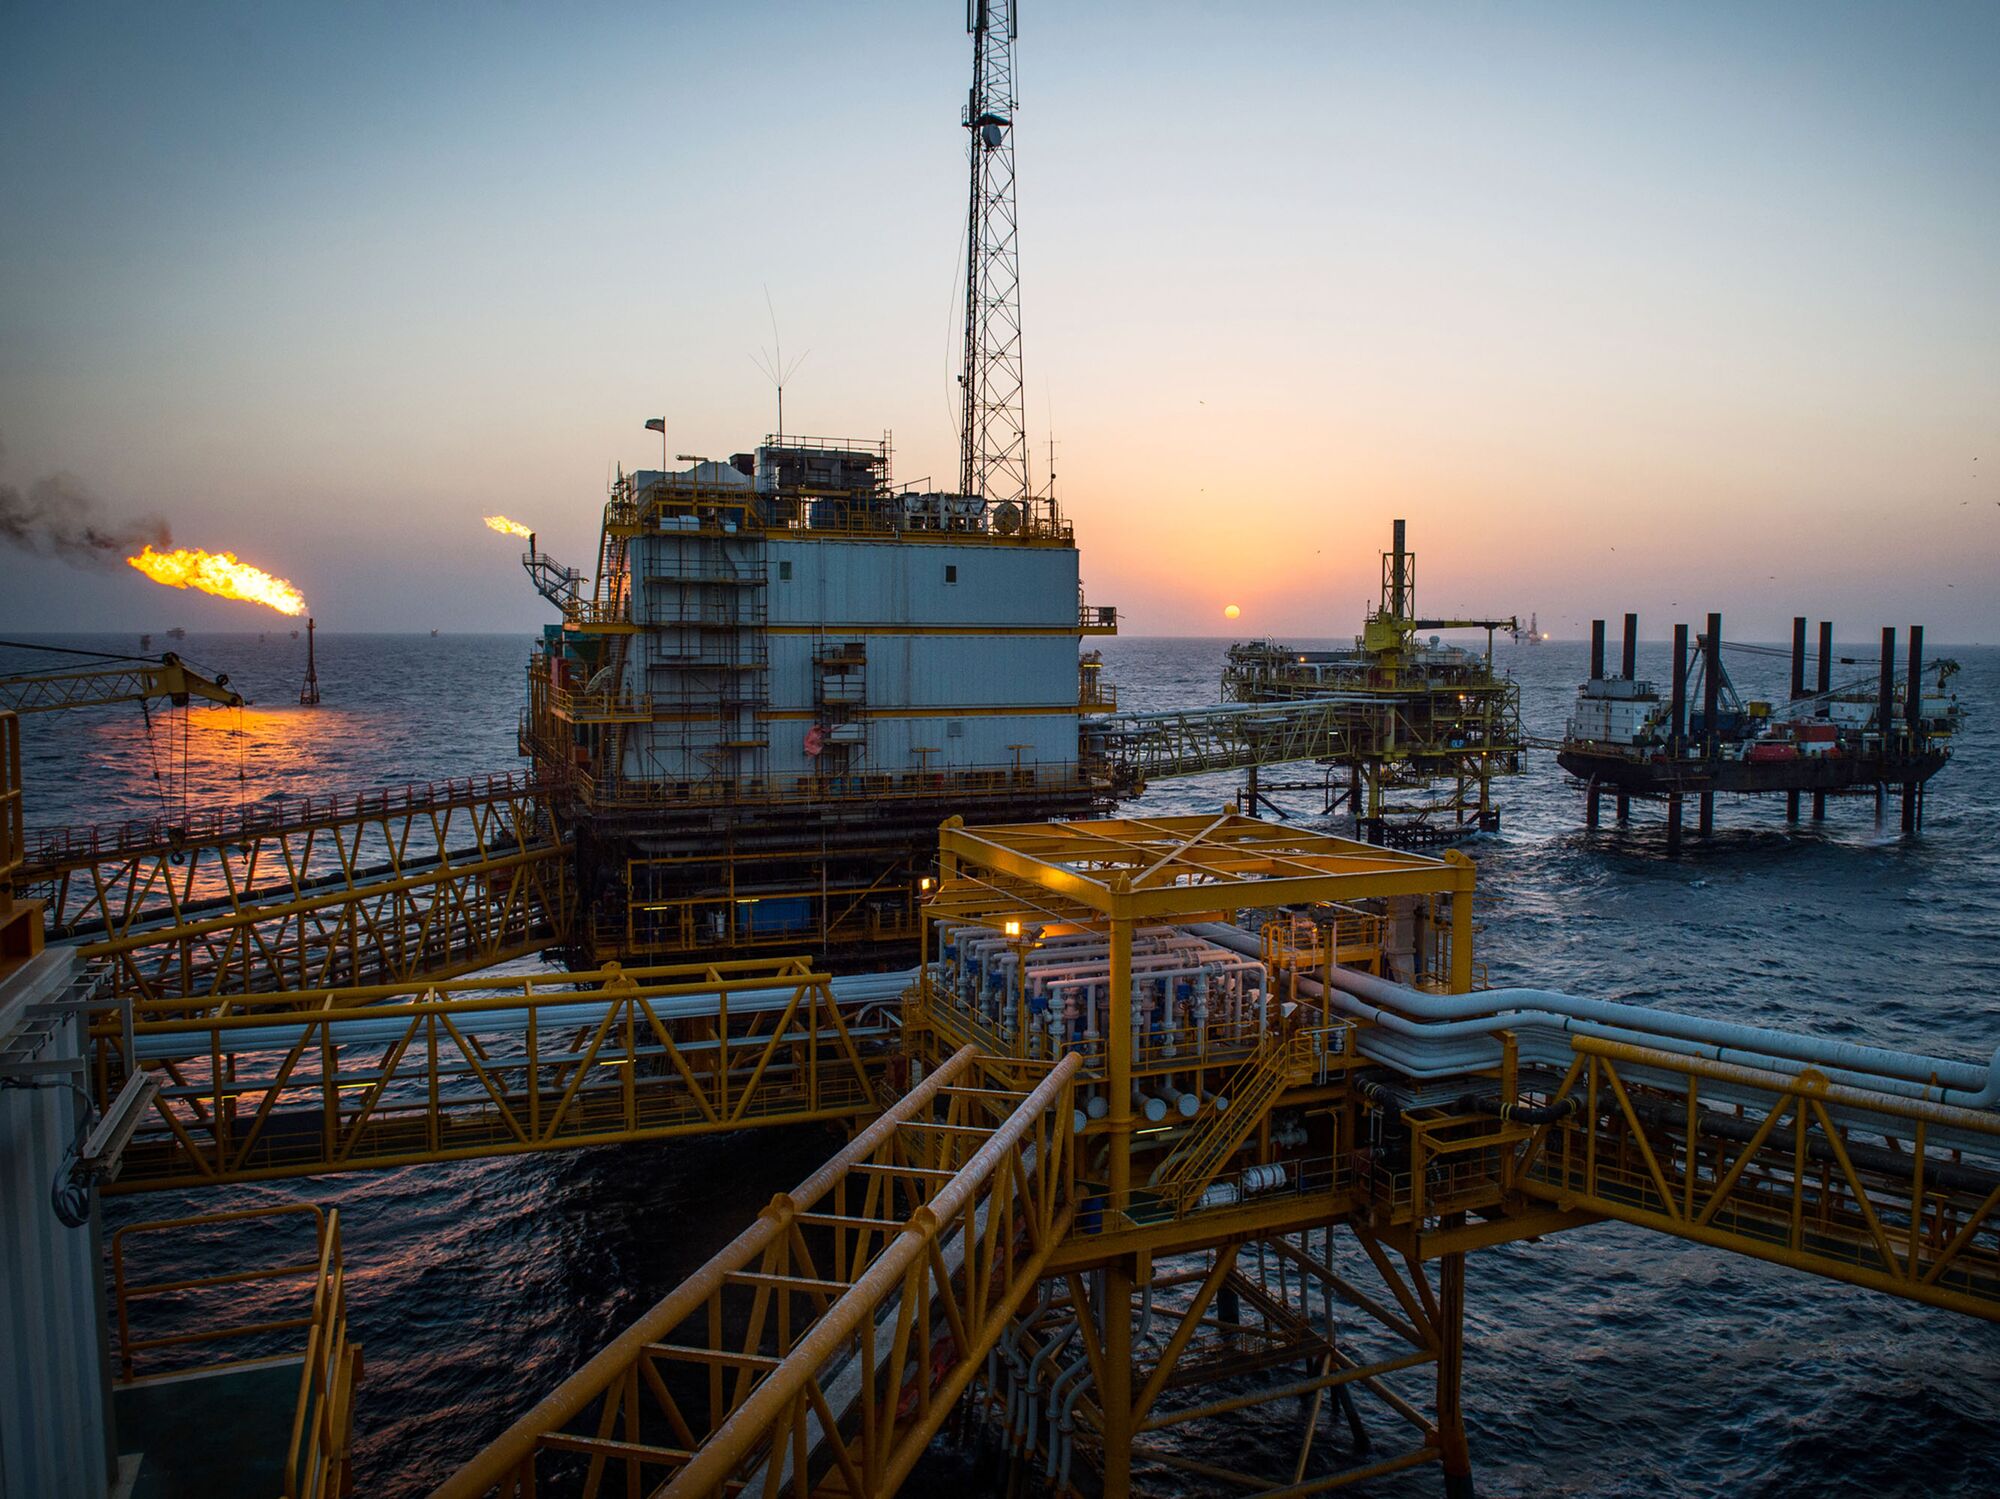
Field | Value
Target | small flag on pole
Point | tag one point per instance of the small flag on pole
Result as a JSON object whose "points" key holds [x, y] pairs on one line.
{"points": [[657, 424]]}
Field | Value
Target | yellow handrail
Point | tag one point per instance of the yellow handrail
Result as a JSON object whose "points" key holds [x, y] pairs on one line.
{"points": [[317, 1459]]}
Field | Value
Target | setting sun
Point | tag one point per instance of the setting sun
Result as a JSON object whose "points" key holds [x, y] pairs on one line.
{"points": [[1231, 611]]}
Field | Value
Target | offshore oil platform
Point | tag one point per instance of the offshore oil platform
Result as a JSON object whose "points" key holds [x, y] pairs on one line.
{"points": [[1166, 1120], [1178, 1118], [1420, 728], [1864, 734], [787, 674]]}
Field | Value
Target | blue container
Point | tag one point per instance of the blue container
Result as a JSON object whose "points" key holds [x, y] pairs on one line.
{"points": [[774, 918]]}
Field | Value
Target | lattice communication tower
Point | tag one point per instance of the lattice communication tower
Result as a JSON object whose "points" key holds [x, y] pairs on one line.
{"points": [[993, 442]]}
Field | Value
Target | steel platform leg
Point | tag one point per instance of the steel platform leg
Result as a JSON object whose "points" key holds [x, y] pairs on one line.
{"points": [[1457, 1455], [1117, 1405]]}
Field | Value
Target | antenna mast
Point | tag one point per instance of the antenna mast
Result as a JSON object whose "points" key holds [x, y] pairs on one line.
{"points": [[993, 438]]}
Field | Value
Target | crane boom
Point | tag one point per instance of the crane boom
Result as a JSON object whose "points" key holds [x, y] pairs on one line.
{"points": [[169, 677]]}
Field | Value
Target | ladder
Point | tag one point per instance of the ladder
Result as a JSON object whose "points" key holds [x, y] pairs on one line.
{"points": [[1282, 1060]]}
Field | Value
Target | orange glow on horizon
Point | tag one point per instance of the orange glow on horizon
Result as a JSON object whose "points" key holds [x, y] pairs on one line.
{"points": [[221, 574]]}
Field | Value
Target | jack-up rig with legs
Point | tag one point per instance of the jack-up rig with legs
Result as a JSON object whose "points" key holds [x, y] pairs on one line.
{"points": [[1703, 738]]}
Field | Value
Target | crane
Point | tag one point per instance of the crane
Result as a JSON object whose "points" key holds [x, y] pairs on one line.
{"points": [[129, 679]]}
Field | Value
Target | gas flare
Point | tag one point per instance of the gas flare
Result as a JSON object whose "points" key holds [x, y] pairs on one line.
{"points": [[508, 527], [221, 574]]}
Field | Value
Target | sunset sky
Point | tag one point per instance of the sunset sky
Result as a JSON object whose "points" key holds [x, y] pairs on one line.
{"points": [[1665, 308]]}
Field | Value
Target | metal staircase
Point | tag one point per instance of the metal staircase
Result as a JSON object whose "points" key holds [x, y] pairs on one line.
{"points": [[1282, 1061], [561, 586]]}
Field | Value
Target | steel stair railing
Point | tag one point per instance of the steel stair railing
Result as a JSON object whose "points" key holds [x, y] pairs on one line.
{"points": [[823, 1348], [1196, 1161]]}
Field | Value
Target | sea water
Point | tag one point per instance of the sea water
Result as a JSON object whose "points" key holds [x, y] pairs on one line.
{"points": [[1607, 1361]]}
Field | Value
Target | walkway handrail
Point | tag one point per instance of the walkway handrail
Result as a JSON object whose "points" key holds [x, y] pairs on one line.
{"points": [[517, 1444], [123, 1293], [316, 1461], [49, 847], [710, 1466]]}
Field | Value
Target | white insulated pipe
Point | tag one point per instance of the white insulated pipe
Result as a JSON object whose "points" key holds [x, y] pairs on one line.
{"points": [[1448, 1033], [588, 1008]]}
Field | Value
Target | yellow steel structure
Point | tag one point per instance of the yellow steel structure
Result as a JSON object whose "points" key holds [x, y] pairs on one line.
{"points": [[1186, 1268], [821, 1349], [1243, 1237], [20, 920], [1115, 876], [294, 1084], [317, 1458], [1758, 1162], [1421, 727], [396, 884], [129, 682]]}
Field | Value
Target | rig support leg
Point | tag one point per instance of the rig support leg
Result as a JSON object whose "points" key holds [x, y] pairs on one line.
{"points": [[1707, 818], [1450, 1372], [1624, 808], [1673, 823], [1791, 806], [1590, 807], [1117, 1407], [1825, 686], [1910, 789]]}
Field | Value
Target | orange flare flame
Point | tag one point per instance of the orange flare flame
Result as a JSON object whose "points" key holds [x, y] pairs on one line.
{"points": [[221, 574], [508, 527]]}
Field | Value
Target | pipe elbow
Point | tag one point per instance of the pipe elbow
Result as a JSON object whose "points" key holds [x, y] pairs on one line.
{"points": [[1978, 1098]]}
